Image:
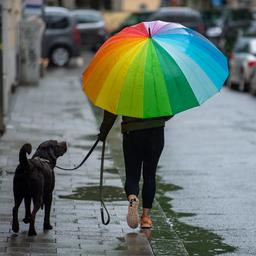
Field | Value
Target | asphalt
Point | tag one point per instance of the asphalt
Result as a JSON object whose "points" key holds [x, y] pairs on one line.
{"points": [[57, 109]]}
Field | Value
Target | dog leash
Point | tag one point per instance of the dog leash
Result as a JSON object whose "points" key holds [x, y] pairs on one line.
{"points": [[85, 158], [103, 206]]}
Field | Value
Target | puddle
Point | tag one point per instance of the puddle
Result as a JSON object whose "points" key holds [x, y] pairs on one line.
{"points": [[91, 193], [111, 170], [197, 241]]}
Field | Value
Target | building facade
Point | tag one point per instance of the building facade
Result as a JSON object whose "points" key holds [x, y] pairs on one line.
{"points": [[10, 16], [131, 5]]}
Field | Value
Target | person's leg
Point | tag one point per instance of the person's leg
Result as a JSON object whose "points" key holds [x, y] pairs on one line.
{"points": [[153, 148], [133, 161], [132, 150]]}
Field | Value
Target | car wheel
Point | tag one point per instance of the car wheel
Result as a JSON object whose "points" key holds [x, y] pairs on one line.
{"points": [[242, 86], [253, 90], [60, 56], [229, 83]]}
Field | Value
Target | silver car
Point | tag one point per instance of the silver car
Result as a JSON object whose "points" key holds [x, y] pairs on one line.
{"points": [[186, 16], [242, 62], [253, 83], [92, 28], [61, 40]]}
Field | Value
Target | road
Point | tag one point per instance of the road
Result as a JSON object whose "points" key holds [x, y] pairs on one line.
{"points": [[210, 155]]}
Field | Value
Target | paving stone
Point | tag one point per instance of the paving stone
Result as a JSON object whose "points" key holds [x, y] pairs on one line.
{"points": [[18, 249], [14, 254], [3, 249]]}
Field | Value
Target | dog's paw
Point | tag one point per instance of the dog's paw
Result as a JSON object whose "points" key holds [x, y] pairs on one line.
{"points": [[15, 227], [26, 220], [47, 226]]}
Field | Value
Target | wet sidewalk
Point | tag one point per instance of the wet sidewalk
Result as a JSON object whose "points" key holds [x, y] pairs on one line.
{"points": [[57, 109]]}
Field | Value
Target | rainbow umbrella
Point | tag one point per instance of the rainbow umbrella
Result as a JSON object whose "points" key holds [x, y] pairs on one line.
{"points": [[154, 69]]}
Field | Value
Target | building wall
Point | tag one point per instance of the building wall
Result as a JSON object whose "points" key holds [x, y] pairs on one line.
{"points": [[10, 23], [65, 3], [135, 5]]}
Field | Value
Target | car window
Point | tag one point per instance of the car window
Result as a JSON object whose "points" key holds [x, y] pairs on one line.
{"points": [[175, 18], [56, 21], [88, 18], [242, 46]]}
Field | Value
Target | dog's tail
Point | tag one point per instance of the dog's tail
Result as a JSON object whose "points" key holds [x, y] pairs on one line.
{"points": [[26, 149]]}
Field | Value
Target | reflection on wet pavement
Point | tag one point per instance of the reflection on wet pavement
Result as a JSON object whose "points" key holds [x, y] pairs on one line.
{"points": [[91, 193], [197, 241]]}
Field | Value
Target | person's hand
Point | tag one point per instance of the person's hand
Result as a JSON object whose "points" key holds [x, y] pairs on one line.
{"points": [[102, 137]]}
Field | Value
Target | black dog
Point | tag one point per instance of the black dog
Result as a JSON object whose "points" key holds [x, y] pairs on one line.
{"points": [[34, 179]]}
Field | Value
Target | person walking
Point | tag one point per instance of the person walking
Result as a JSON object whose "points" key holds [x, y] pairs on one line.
{"points": [[152, 70], [143, 142]]}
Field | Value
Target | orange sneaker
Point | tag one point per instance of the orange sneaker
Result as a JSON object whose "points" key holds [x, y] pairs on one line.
{"points": [[133, 215], [146, 222]]}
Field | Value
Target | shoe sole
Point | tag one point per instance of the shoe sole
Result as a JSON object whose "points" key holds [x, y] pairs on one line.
{"points": [[133, 215]]}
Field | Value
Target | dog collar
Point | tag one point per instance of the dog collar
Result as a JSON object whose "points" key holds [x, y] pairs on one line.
{"points": [[42, 159]]}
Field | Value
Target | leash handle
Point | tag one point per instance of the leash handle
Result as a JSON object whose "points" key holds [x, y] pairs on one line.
{"points": [[103, 206], [85, 158]]}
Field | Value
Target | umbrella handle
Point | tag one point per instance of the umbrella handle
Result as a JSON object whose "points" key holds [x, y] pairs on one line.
{"points": [[103, 206]]}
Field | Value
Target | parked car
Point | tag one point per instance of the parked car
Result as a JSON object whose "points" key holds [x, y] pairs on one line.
{"points": [[242, 62], [92, 28], [251, 31], [253, 82], [212, 30], [184, 15], [132, 19], [61, 40], [231, 24]]}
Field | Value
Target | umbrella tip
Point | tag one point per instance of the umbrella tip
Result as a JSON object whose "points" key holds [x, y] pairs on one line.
{"points": [[149, 32]]}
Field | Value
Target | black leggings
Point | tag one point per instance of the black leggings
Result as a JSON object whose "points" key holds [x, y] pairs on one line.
{"points": [[142, 148]]}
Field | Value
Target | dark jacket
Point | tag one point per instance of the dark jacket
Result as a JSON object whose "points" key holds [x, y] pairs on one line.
{"points": [[130, 123]]}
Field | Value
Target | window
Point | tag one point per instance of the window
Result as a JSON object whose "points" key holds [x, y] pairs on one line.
{"points": [[88, 18], [56, 21], [242, 46]]}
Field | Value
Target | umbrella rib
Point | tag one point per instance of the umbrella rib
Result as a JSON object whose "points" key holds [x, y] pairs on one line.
{"points": [[158, 85], [132, 83], [177, 86], [207, 91], [211, 64]]}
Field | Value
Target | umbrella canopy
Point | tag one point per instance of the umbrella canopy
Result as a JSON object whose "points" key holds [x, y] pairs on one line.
{"points": [[154, 69]]}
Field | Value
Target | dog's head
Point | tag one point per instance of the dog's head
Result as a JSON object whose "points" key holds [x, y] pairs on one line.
{"points": [[51, 150]]}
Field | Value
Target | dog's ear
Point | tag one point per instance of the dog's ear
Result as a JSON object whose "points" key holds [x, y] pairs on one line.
{"points": [[53, 144], [52, 154]]}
